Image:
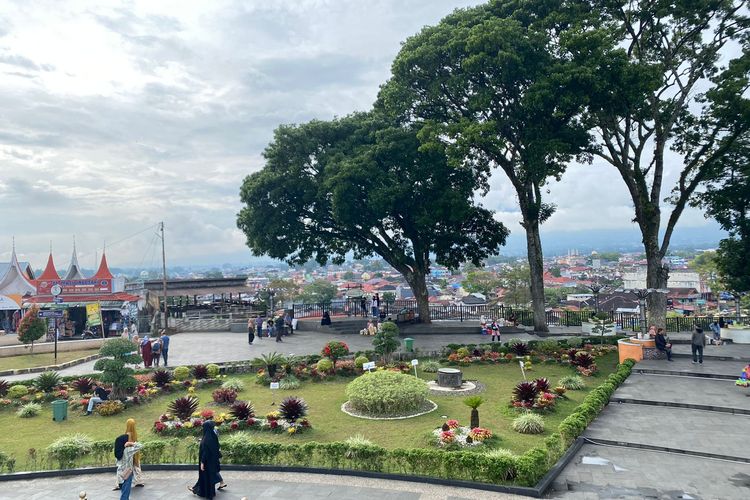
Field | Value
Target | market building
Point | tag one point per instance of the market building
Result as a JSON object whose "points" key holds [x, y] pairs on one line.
{"points": [[16, 283], [70, 296]]}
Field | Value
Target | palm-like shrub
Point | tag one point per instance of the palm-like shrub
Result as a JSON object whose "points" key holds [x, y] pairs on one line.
{"points": [[29, 410], [84, 385], [4, 386], [387, 393], [518, 347], [184, 407], [528, 423], [525, 393], [224, 396], [293, 408], [542, 384], [242, 410], [200, 372], [116, 354], [270, 361], [47, 381], [161, 377], [474, 402], [571, 382]]}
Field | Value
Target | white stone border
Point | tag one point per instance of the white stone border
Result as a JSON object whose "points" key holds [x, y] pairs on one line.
{"points": [[434, 407]]}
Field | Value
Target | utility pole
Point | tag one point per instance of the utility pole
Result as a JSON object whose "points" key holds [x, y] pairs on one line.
{"points": [[164, 273]]}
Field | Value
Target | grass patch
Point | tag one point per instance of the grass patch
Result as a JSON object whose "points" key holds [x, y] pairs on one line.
{"points": [[328, 421], [42, 359]]}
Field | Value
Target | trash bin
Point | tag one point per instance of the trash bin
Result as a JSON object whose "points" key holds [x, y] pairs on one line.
{"points": [[409, 343], [59, 410]]}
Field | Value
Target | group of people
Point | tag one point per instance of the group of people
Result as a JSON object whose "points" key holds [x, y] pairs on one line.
{"points": [[152, 349], [259, 326], [127, 455], [492, 327], [697, 340]]}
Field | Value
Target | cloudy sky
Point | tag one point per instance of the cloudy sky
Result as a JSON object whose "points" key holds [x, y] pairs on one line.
{"points": [[114, 118]]}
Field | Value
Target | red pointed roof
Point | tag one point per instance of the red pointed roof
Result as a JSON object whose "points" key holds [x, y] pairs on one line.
{"points": [[50, 273], [103, 272]]}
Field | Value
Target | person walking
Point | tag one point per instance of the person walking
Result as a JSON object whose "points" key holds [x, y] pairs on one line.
{"points": [[662, 344], [279, 326], [146, 351], [164, 346], [697, 343], [156, 351], [209, 453], [125, 450], [250, 331], [133, 437], [269, 327], [259, 326]]}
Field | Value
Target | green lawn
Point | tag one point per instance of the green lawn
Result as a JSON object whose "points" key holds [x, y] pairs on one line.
{"points": [[329, 422], [42, 359]]}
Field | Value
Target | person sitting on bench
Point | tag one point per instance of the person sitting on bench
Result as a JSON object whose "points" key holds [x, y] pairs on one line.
{"points": [[100, 395], [662, 343]]}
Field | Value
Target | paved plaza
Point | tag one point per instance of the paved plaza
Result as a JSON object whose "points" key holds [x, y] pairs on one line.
{"points": [[669, 432], [191, 348], [172, 485]]}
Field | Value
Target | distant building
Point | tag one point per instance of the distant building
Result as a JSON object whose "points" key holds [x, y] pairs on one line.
{"points": [[676, 280]]}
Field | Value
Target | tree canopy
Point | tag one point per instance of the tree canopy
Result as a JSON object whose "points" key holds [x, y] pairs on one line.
{"points": [[367, 185], [485, 84], [319, 291]]}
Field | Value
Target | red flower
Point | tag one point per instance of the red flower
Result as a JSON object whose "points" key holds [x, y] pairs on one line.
{"points": [[234, 425], [159, 426], [274, 424]]}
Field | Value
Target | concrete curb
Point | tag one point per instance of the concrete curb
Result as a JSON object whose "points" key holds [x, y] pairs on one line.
{"points": [[666, 449], [652, 371], [516, 490], [39, 369]]}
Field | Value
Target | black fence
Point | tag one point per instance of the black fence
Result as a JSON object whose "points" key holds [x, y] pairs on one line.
{"points": [[525, 317]]}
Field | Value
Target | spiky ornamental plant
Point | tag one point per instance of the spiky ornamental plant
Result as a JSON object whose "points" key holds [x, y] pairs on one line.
{"points": [[519, 348], [4, 386], [542, 384], [184, 407], [200, 372], [525, 393], [84, 385], [116, 353], [47, 381], [161, 377], [242, 410], [293, 408]]}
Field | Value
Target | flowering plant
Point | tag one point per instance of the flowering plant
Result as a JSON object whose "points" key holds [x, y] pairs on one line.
{"points": [[452, 424], [169, 425], [460, 436], [480, 434]]}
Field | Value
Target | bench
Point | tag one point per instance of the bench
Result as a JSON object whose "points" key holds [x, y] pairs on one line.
{"points": [[653, 353]]}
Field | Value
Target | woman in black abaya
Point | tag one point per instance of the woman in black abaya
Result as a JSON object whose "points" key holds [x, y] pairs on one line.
{"points": [[208, 467]]}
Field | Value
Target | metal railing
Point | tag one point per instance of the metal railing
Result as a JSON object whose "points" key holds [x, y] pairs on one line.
{"points": [[525, 317]]}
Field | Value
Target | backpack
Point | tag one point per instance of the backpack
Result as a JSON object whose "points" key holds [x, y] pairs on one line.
{"points": [[156, 347]]}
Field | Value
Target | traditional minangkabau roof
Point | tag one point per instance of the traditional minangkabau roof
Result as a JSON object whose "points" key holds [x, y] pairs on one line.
{"points": [[50, 273], [15, 281], [74, 270], [103, 272]]}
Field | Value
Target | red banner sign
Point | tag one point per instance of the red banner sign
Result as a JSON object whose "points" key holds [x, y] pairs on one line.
{"points": [[72, 287]]}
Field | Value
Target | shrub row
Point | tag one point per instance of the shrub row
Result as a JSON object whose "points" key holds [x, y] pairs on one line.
{"points": [[575, 423]]}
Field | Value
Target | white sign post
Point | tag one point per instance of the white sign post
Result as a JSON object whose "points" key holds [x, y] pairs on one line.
{"points": [[274, 386], [414, 363], [369, 366], [523, 372]]}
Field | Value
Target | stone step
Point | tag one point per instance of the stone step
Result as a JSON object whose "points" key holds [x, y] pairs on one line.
{"points": [[700, 433]]}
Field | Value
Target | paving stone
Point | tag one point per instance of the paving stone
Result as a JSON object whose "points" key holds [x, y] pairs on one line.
{"points": [[684, 390], [169, 485], [684, 366], [649, 474]]}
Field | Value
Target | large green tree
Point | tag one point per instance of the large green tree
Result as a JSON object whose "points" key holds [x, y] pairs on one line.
{"points": [[481, 281], [485, 84], [726, 198], [671, 96], [366, 184], [319, 291]]}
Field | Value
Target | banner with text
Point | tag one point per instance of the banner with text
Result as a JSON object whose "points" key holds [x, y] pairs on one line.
{"points": [[93, 314]]}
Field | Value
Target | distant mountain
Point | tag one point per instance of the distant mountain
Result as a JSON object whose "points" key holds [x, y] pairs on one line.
{"points": [[612, 240]]}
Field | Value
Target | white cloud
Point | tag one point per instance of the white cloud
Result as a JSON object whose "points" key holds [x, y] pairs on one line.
{"points": [[117, 116]]}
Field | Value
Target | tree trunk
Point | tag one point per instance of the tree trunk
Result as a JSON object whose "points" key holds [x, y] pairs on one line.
{"points": [[656, 278], [536, 270], [418, 286], [474, 418]]}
